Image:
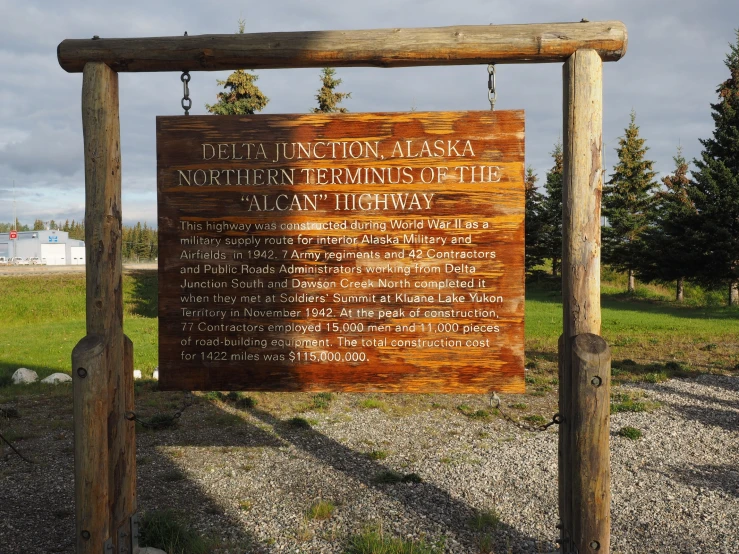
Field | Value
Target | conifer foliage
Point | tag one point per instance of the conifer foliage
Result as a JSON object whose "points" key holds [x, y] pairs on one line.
{"points": [[328, 98], [535, 253], [628, 203], [714, 188], [669, 243], [241, 96], [551, 239]]}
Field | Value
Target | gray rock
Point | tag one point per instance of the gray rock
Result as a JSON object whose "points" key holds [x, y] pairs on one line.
{"points": [[57, 378], [150, 550], [24, 376]]}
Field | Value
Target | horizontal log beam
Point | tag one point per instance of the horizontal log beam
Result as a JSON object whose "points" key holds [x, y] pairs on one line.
{"points": [[459, 45]]}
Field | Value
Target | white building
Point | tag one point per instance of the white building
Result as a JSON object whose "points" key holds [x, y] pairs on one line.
{"points": [[51, 247]]}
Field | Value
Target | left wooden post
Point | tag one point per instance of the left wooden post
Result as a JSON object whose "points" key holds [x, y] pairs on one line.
{"points": [[105, 466]]}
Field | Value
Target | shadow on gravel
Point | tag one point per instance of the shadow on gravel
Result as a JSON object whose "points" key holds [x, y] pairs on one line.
{"points": [[716, 477], [732, 404], [727, 419], [427, 500]]}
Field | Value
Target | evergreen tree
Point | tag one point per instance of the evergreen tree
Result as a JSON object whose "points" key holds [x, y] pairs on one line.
{"points": [[714, 188], [328, 98], [627, 203], [669, 243], [552, 210], [534, 221], [38, 225], [242, 96]]}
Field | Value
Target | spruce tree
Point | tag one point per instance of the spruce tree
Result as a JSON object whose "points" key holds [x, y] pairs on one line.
{"points": [[327, 97], [714, 188], [534, 222], [552, 210], [627, 203], [242, 96], [668, 253]]}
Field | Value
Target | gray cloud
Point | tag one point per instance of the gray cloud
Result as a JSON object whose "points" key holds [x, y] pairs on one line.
{"points": [[669, 76], [44, 151]]}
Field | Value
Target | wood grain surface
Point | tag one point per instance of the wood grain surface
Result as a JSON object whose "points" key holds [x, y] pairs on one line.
{"points": [[346, 252], [457, 45]]}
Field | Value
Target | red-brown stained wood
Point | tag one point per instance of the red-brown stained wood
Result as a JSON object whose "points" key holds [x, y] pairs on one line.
{"points": [[458, 45], [484, 217]]}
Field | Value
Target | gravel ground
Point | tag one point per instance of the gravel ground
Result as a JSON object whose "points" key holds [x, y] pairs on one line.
{"points": [[248, 479]]}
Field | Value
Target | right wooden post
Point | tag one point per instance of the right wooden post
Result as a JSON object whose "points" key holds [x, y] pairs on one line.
{"points": [[584, 505]]}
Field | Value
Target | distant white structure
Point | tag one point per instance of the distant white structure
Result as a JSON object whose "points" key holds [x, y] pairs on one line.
{"points": [[51, 247]]}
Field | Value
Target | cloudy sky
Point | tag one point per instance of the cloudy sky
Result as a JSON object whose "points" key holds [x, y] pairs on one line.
{"points": [[674, 62]]}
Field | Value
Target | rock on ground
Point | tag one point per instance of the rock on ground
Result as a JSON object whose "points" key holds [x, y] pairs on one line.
{"points": [[24, 376], [56, 378]]}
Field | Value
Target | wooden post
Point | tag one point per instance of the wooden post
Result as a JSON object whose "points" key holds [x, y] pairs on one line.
{"points": [[90, 385], [589, 455], [581, 197], [101, 132]]}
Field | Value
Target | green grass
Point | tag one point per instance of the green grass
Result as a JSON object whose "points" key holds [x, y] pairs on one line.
{"points": [[634, 316], [631, 402], [321, 401], [43, 318], [167, 531], [485, 521], [535, 419], [321, 510], [373, 404], [374, 541], [472, 413], [377, 455], [630, 433], [299, 423], [391, 477]]}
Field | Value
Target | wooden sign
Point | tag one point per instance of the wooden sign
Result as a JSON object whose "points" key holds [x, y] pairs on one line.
{"points": [[343, 252]]}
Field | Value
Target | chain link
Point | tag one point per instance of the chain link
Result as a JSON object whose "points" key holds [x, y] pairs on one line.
{"points": [[161, 421], [186, 101], [495, 402], [492, 93]]}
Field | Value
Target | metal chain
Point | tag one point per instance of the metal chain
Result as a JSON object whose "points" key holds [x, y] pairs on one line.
{"points": [[496, 403], [492, 93], [159, 421], [186, 101]]}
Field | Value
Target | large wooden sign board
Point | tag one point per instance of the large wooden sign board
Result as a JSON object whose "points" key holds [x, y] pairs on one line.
{"points": [[345, 252]]}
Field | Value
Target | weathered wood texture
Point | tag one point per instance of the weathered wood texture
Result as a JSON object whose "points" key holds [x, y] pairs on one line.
{"points": [[101, 133], [581, 198], [582, 185], [123, 457], [354, 265], [589, 453], [459, 45], [564, 468], [90, 384]]}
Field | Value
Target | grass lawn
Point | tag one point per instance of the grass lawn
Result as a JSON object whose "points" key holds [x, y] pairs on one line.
{"points": [[43, 317]]}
